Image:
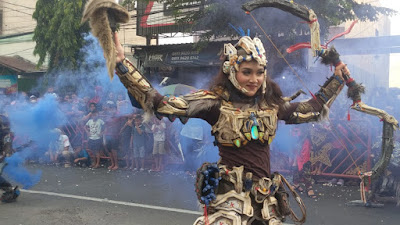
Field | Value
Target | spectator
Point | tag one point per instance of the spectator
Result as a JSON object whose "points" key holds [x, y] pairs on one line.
{"points": [[137, 140], [124, 107], [158, 130], [60, 149], [125, 136], [148, 136], [111, 132], [92, 108], [98, 96], [84, 104], [33, 99], [50, 91], [74, 99], [110, 98], [82, 158], [94, 129]]}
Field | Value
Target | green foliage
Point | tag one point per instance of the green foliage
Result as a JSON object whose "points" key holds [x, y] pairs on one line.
{"points": [[214, 16], [59, 32]]}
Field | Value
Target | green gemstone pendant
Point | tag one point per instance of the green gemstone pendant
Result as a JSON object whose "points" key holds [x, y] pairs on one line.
{"points": [[254, 132]]}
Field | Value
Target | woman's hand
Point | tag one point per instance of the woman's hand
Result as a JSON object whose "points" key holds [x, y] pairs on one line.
{"points": [[341, 70], [119, 48]]}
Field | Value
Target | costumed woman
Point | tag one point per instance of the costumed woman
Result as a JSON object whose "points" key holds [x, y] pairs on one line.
{"points": [[243, 107]]}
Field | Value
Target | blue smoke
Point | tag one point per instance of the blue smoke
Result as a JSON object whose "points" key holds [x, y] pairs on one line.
{"points": [[17, 172], [34, 122]]}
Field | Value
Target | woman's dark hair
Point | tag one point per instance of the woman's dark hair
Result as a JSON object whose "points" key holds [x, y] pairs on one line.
{"points": [[273, 94]]}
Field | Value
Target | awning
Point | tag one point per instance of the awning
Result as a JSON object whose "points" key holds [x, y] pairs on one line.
{"points": [[184, 55]]}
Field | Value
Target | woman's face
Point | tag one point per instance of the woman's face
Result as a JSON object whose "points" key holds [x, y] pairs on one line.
{"points": [[250, 76]]}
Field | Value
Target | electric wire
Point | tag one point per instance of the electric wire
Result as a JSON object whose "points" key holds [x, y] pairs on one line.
{"points": [[16, 4]]}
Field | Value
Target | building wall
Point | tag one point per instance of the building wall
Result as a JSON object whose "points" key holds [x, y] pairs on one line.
{"points": [[371, 70], [16, 19], [17, 16], [127, 32]]}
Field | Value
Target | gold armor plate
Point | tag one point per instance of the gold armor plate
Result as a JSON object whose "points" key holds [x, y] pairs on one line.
{"points": [[234, 125]]}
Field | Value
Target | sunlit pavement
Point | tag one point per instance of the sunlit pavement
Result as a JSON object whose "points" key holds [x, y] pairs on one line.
{"points": [[84, 196]]}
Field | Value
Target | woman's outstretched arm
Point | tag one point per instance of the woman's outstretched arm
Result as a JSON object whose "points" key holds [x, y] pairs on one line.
{"points": [[201, 104], [317, 108]]}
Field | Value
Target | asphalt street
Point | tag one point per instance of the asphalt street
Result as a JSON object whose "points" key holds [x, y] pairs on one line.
{"points": [[69, 196]]}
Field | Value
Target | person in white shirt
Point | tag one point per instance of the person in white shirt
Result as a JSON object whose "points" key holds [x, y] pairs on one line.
{"points": [[158, 130], [95, 129], [60, 149]]}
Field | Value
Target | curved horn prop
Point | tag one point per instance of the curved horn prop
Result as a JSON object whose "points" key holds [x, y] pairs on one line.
{"points": [[295, 9], [287, 6]]}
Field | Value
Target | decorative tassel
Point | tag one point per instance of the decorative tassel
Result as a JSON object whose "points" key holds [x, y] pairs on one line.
{"points": [[348, 115], [312, 95], [206, 222], [362, 192], [314, 33]]}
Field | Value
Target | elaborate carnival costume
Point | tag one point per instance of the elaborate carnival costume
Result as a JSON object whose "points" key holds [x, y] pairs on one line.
{"points": [[243, 128], [240, 188], [10, 193]]}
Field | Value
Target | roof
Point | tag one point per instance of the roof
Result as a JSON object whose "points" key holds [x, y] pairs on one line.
{"points": [[19, 64]]}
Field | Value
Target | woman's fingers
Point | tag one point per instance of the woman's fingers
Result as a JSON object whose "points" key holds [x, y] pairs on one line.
{"points": [[119, 48], [116, 39]]}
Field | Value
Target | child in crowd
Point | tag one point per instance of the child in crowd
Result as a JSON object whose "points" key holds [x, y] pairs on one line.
{"points": [[94, 129], [82, 157], [158, 130], [137, 140]]}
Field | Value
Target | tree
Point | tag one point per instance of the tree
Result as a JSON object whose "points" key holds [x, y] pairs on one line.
{"points": [[215, 15], [59, 32]]}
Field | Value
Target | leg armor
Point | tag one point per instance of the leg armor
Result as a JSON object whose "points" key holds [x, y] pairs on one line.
{"points": [[231, 209], [269, 211], [239, 202]]}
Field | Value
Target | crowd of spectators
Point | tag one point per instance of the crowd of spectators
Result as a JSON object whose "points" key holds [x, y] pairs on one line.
{"points": [[101, 131]]}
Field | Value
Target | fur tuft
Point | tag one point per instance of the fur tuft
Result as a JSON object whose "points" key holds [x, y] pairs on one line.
{"points": [[330, 57], [200, 106], [101, 29], [98, 12], [354, 92]]}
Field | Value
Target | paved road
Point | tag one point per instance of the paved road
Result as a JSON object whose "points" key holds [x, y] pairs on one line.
{"points": [[69, 196]]}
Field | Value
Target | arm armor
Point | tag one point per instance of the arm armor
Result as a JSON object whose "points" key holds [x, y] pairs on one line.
{"points": [[305, 111], [191, 105], [136, 84]]}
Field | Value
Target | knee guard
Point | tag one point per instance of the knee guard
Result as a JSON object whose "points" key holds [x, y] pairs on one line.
{"points": [[232, 201], [231, 209], [270, 209], [221, 217]]}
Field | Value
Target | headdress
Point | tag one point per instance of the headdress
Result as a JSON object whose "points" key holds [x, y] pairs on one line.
{"points": [[254, 51]]}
